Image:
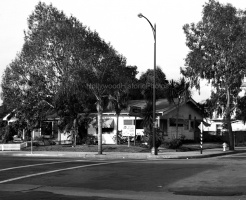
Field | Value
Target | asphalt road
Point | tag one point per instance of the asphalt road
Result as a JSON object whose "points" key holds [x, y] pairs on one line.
{"points": [[50, 178]]}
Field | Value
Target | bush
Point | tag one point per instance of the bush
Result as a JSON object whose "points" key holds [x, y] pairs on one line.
{"points": [[159, 139], [174, 143], [39, 138], [8, 134], [51, 142], [207, 137], [89, 140]]}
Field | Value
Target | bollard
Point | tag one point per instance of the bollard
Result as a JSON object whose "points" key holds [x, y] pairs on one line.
{"points": [[224, 146]]}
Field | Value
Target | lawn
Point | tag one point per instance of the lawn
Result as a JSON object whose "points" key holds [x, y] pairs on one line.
{"points": [[90, 148], [118, 148]]}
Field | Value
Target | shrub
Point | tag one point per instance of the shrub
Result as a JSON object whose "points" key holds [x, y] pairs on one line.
{"points": [[174, 143], [8, 134], [89, 140], [39, 138], [212, 138], [159, 139], [51, 142]]}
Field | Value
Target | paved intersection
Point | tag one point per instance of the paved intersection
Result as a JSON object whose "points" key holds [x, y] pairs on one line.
{"points": [[71, 178]]}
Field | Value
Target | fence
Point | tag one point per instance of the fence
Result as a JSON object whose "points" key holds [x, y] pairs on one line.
{"points": [[13, 147]]}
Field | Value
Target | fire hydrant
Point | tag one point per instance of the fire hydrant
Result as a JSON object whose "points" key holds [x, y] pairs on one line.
{"points": [[224, 146]]}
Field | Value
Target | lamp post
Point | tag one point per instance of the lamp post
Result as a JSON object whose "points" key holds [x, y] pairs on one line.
{"points": [[154, 150]]}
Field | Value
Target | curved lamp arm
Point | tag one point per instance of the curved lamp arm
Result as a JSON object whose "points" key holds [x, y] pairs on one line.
{"points": [[140, 15]]}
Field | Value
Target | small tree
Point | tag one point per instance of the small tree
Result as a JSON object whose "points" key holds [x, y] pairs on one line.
{"points": [[118, 101], [147, 114]]}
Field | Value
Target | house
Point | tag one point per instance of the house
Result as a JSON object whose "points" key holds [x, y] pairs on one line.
{"points": [[189, 118], [217, 128]]}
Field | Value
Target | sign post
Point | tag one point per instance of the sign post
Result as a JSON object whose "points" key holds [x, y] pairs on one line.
{"points": [[32, 135], [135, 111], [128, 131], [201, 135], [135, 133]]}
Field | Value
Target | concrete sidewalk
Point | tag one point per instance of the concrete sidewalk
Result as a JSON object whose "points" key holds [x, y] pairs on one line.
{"points": [[125, 155]]}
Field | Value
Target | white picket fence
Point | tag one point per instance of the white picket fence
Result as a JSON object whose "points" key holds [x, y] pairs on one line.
{"points": [[13, 147]]}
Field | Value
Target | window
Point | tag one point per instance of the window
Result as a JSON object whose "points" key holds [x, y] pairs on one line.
{"points": [[128, 122], [173, 122], [139, 124], [218, 129], [191, 126], [163, 126], [186, 124]]}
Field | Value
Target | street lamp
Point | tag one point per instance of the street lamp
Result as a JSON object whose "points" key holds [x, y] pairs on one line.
{"points": [[140, 15]]}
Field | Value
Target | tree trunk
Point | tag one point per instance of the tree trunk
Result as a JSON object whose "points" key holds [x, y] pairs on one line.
{"points": [[228, 121], [99, 132], [231, 136], [177, 118], [117, 132], [75, 129]]}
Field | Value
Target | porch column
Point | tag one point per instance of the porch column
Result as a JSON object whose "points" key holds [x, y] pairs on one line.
{"points": [[52, 125], [59, 136], [168, 123], [194, 135], [23, 134], [158, 121]]}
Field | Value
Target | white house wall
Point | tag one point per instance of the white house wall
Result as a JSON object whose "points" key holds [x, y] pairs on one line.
{"points": [[189, 135], [66, 138], [186, 112], [236, 126], [121, 124], [108, 138]]}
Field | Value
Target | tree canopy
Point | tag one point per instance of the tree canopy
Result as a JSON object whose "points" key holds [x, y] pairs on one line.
{"points": [[146, 80], [60, 67]]}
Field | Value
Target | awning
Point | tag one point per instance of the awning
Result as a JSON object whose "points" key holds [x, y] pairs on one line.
{"points": [[106, 123], [10, 118]]}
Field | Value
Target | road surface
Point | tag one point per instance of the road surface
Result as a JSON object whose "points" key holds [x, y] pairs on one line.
{"points": [[62, 178]]}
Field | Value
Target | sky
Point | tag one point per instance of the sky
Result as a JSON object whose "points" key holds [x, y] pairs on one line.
{"points": [[117, 23]]}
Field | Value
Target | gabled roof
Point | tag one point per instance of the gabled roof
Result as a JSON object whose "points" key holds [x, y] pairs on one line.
{"points": [[162, 106]]}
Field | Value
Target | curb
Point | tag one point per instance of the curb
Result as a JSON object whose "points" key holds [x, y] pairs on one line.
{"points": [[118, 156]]}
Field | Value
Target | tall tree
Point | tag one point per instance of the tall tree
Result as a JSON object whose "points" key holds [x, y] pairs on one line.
{"points": [[55, 47], [101, 79], [217, 46], [146, 80], [178, 92], [60, 56], [23, 92]]}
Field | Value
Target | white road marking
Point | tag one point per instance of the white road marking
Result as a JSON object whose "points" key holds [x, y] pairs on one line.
{"points": [[24, 166], [54, 171]]}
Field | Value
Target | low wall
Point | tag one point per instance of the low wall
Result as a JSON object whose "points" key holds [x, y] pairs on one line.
{"points": [[12, 147]]}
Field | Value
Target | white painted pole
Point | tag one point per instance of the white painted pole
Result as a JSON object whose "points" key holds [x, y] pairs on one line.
{"points": [[201, 136]]}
